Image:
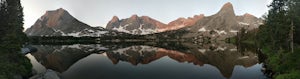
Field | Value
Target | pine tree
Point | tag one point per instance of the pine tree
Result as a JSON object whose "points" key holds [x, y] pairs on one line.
{"points": [[3, 22], [275, 31], [12, 24], [12, 63]]}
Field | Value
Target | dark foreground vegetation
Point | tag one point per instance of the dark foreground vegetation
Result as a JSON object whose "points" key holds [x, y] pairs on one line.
{"points": [[13, 64], [278, 39]]}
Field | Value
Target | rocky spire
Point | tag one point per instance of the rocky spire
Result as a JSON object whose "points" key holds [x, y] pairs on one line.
{"points": [[114, 19], [227, 9]]}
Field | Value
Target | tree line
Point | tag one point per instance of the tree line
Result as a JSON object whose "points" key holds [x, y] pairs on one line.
{"points": [[278, 38], [13, 64]]}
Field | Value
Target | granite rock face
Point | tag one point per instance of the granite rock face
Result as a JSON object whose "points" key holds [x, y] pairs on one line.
{"points": [[60, 23], [221, 25], [135, 25], [223, 22], [56, 23]]}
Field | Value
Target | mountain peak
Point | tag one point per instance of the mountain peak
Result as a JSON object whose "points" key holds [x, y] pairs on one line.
{"points": [[228, 4], [54, 16], [57, 11], [115, 18], [56, 23], [136, 25], [227, 9], [135, 16], [61, 9]]}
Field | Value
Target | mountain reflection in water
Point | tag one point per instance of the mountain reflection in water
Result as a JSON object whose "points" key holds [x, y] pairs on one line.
{"points": [[95, 61]]}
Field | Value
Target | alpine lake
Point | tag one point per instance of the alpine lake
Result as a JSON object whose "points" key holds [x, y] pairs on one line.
{"points": [[165, 60]]}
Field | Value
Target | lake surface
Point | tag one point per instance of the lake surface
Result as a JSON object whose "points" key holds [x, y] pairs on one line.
{"points": [[149, 61]]}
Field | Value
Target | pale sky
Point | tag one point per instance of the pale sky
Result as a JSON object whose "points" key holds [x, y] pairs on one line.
{"points": [[99, 12]]}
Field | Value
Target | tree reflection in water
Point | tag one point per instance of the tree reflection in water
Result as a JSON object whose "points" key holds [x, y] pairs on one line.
{"points": [[217, 58]]}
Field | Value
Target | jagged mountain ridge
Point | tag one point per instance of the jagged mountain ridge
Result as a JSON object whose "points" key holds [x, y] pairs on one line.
{"points": [[223, 21], [61, 23], [145, 25], [135, 25], [181, 22], [223, 24], [226, 19]]}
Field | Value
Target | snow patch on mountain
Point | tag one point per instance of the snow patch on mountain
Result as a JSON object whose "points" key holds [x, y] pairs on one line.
{"points": [[145, 31], [59, 31], [76, 34], [233, 31], [202, 50], [234, 49], [244, 57], [85, 32], [121, 29], [202, 29], [221, 48], [221, 32], [243, 23], [139, 31]]}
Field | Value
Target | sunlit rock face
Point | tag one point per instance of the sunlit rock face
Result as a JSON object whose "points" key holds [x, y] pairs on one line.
{"points": [[224, 23], [221, 25], [135, 25], [181, 23], [60, 23], [56, 23], [146, 25]]}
